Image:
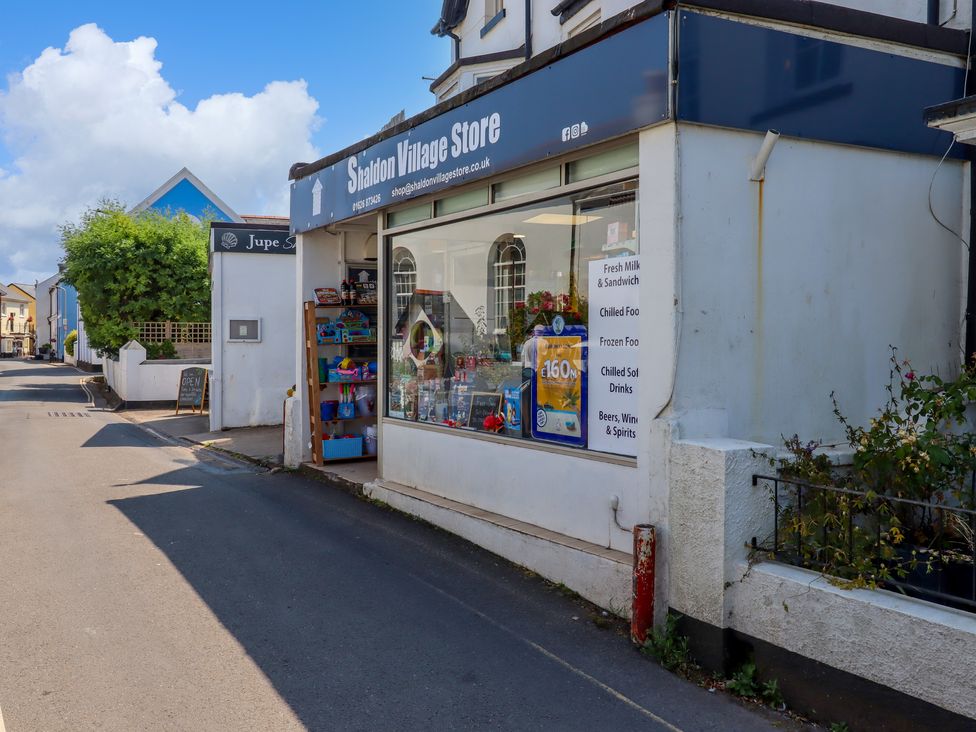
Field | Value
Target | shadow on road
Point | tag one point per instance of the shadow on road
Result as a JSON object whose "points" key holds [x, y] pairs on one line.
{"points": [[61, 393], [51, 371], [352, 612], [117, 434]]}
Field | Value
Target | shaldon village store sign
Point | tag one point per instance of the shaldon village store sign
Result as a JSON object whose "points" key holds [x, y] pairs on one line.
{"points": [[246, 239], [605, 90]]}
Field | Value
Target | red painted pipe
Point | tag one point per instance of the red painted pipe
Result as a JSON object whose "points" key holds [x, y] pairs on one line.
{"points": [[642, 609]]}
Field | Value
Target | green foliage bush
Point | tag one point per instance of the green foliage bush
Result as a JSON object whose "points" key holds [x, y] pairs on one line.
{"points": [[69, 342], [919, 447], [166, 349], [668, 646], [136, 268]]}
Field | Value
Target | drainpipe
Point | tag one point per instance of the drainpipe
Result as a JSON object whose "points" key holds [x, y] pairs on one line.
{"points": [[971, 286], [457, 44], [933, 15], [528, 29]]}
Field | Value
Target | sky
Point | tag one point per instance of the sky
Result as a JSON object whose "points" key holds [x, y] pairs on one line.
{"points": [[109, 99]]}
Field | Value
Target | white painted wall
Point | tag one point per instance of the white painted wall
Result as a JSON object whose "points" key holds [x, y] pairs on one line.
{"points": [[920, 649], [43, 308], [250, 380], [849, 261], [83, 350], [136, 380], [555, 490], [910, 645]]}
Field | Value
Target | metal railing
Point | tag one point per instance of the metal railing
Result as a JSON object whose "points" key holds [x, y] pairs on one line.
{"points": [[926, 550]]}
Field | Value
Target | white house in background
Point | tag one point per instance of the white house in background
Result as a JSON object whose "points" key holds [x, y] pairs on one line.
{"points": [[729, 203]]}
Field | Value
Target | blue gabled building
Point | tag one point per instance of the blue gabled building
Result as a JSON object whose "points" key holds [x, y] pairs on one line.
{"points": [[185, 192]]}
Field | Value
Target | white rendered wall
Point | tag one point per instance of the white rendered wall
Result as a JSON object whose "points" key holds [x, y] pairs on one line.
{"points": [[559, 492], [42, 308], [136, 380], [250, 380], [781, 308]]}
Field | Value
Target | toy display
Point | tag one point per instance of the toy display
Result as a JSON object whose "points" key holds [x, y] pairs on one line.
{"points": [[351, 326]]}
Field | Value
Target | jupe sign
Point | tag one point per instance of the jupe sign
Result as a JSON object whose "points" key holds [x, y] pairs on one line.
{"points": [[246, 239], [603, 91]]}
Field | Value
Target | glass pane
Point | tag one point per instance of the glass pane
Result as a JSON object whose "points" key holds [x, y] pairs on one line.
{"points": [[408, 215], [611, 161], [539, 181], [461, 202], [490, 333]]}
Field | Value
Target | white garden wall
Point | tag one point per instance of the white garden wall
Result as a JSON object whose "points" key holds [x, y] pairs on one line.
{"points": [[135, 380]]}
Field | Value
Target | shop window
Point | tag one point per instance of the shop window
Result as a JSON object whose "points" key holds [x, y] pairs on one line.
{"points": [[461, 202], [404, 279], [506, 275], [521, 322], [408, 215], [540, 180], [610, 161]]}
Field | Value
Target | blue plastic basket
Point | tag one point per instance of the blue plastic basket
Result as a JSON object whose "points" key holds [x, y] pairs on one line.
{"points": [[343, 447]]}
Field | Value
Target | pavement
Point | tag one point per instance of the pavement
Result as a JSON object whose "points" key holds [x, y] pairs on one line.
{"points": [[261, 444], [151, 584]]}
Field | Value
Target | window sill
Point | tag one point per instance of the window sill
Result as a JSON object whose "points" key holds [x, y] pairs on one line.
{"points": [[582, 454], [493, 22]]}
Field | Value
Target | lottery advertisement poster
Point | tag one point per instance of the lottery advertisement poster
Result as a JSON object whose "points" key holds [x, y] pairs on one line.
{"points": [[559, 385]]}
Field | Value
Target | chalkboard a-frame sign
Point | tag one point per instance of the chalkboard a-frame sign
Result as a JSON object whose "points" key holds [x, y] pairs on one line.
{"points": [[193, 389], [483, 404]]}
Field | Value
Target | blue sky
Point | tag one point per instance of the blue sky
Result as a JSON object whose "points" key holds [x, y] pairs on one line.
{"points": [[370, 56], [244, 90]]}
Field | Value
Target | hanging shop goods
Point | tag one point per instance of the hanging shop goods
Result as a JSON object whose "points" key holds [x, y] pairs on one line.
{"points": [[536, 336], [341, 370]]}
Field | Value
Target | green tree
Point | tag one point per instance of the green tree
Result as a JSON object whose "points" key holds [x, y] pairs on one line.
{"points": [[69, 342], [134, 268]]}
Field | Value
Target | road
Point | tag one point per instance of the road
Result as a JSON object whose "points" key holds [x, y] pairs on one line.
{"points": [[145, 585]]}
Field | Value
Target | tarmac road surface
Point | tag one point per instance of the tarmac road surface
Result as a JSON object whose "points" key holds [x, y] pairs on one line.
{"points": [[145, 585]]}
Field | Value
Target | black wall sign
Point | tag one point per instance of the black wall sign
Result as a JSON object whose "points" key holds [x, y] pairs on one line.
{"points": [[605, 90], [251, 239]]}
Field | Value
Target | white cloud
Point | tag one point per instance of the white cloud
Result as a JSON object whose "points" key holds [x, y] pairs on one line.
{"points": [[97, 119]]}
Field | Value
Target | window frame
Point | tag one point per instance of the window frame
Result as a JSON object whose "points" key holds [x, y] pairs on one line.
{"points": [[388, 234]]}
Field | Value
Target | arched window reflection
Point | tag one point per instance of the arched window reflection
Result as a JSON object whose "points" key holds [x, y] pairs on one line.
{"points": [[404, 278], [506, 278]]}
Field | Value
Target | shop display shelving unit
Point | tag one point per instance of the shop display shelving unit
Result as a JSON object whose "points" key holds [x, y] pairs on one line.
{"points": [[315, 387]]}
